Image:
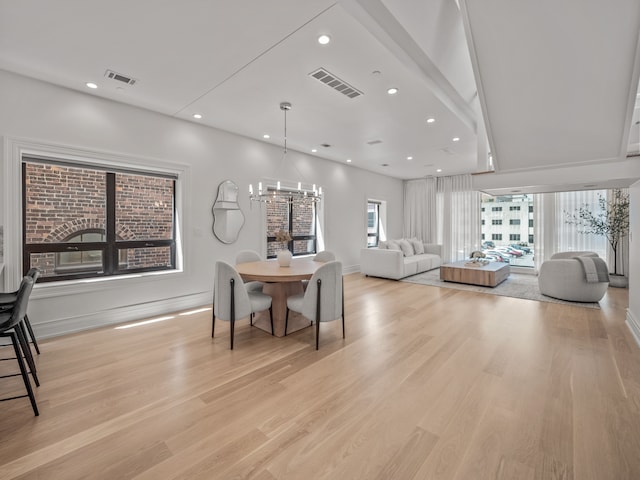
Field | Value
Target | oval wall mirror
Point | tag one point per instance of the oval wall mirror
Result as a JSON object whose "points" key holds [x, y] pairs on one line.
{"points": [[228, 219]]}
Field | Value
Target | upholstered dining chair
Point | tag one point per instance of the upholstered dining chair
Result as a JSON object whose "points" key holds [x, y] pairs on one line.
{"points": [[11, 327], [245, 256], [233, 301], [7, 301], [323, 256], [323, 299]]}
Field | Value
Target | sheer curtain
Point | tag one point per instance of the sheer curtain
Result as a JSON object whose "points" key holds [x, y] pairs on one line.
{"points": [[444, 210], [552, 232], [420, 209]]}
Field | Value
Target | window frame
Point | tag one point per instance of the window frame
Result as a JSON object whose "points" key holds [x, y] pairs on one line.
{"points": [[111, 247], [294, 238], [376, 235]]}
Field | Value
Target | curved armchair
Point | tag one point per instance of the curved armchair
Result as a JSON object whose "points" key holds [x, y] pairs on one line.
{"points": [[563, 277], [233, 301], [245, 256], [323, 300]]}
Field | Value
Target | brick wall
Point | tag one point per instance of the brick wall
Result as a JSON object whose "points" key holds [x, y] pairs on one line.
{"points": [[278, 219]]}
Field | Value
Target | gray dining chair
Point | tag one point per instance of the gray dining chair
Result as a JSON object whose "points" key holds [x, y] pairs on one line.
{"points": [[245, 256], [8, 300], [323, 300], [233, 301], [11, 326]]}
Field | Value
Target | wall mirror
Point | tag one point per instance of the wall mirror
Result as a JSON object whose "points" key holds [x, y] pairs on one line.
{"points": [[228, 219]]}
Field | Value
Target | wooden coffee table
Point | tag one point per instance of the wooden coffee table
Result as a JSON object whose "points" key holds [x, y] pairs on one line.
{"points": [[488, 275]]}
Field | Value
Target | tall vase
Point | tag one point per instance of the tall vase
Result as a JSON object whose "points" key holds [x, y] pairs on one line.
{"points": [[284, 258]]}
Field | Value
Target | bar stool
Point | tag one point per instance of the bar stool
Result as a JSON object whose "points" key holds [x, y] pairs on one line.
{"points": [[7, 300]]}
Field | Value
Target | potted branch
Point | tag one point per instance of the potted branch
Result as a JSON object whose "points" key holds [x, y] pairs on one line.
{"points": [[612, 221]]}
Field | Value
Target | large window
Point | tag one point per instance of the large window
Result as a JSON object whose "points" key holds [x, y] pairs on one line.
{"points": [[509, 221], [291, 226], [373, 223], [83, 221]]}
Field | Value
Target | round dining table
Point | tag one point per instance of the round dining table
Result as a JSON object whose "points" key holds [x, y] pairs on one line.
{"points": [[279, 283]]}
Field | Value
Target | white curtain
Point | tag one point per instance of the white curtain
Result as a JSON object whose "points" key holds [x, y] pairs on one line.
{"points": [[420, 209], [444, 210], [552, 231]]}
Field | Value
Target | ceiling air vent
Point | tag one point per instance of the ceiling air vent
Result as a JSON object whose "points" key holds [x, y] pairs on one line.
{"points": [[334, 82], [374, 142], [120, 77]]}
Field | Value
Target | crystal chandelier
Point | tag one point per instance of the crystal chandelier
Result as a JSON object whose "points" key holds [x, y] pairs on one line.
{"points": [[275, 193]]}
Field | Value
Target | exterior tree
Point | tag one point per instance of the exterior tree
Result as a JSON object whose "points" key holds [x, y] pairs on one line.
{"points": [[612, 221]]}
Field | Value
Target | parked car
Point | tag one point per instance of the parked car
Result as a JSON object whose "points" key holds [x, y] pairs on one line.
{"points": [[503, 257], [524, 248], [495, 258], [511, 251], [488, 244]]}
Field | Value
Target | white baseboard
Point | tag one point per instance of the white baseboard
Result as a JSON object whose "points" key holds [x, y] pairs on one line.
{"points": [[634, 326], [129, 313], [350, 269]]}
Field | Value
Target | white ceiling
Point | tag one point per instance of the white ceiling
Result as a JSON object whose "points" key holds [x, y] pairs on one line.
{"points": [[545, 72]]}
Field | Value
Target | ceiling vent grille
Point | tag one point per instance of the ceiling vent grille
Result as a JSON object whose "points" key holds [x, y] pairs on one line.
{"points": [[334, 82], [120, 77]]}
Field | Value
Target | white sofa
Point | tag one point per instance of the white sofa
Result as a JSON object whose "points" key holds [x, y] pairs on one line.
{"points": [[396, 264], [563, 277]]}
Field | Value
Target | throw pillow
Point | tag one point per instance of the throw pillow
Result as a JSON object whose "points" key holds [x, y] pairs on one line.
{"points": [[393, 245], [418, 246], [383, 245], [405, 246]]}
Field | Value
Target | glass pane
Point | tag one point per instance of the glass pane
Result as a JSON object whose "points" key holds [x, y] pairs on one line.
{"points": [[277, 219], [63, 201], [274, 247], [506, 221], [148, 257], [144, 207], [53, 264], [303, 219], [300, 247], [372, 241]]}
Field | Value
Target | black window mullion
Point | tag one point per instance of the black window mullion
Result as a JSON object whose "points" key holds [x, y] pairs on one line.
{"points": [[110, 254]]}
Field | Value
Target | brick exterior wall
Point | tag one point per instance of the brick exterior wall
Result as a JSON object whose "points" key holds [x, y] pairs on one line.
{"points": [[62, 202]]}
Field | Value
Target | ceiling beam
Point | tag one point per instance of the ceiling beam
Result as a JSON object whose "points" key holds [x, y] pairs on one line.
{"points": [[378, 20]]}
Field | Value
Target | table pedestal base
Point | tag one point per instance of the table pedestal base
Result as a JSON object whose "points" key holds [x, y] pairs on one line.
{"points": [[279, 292]]}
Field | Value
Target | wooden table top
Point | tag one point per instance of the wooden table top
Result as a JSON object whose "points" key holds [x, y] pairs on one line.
{"points": [[464, 264], [271, 271]]}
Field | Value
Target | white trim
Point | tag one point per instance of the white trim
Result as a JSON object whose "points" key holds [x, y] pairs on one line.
{"points": [[634, 326], [64, 326], [15, 148]]}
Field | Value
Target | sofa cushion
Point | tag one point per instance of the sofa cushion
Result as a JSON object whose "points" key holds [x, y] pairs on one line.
{"points": [[383, 245], [418, 246], [393, 245], [405, 246]]}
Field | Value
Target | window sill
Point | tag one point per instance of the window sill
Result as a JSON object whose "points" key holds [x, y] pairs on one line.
{"points": [[101, 284]]}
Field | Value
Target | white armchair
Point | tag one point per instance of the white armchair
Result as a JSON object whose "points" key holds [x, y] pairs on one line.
{"points": [[563, 277]]}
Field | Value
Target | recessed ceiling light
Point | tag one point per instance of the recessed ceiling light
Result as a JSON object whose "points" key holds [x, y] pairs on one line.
{"points": [[456, 139], [91, 85], [197, 116], [431, 120], [392, 91], [314, 150], [409, 158], [438, 170], [324, 39], [348, 160], [266, 135]]}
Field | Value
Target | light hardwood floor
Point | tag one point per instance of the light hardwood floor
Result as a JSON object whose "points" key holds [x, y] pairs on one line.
{"points": [[430, 383]]}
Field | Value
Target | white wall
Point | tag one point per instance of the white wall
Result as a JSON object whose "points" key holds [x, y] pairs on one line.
{"points": [[633, 313], [49, 114]]}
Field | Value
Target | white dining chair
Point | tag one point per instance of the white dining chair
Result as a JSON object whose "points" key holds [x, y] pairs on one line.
{"points": [[245, 256], [233, 301], [323, 300]]}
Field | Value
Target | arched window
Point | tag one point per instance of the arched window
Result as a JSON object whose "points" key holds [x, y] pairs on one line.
{"points": [[85, 261]]}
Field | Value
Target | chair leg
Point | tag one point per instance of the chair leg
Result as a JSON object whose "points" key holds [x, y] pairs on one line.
{"points": [[271, 318], [23, 372], [33, 337], [26, 351], [233, 310], [213, 325], [286, 322], [343, 307], [318, 315]]}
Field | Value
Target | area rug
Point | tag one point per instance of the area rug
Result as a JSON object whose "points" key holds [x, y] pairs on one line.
{"points": [[518, 285]]}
